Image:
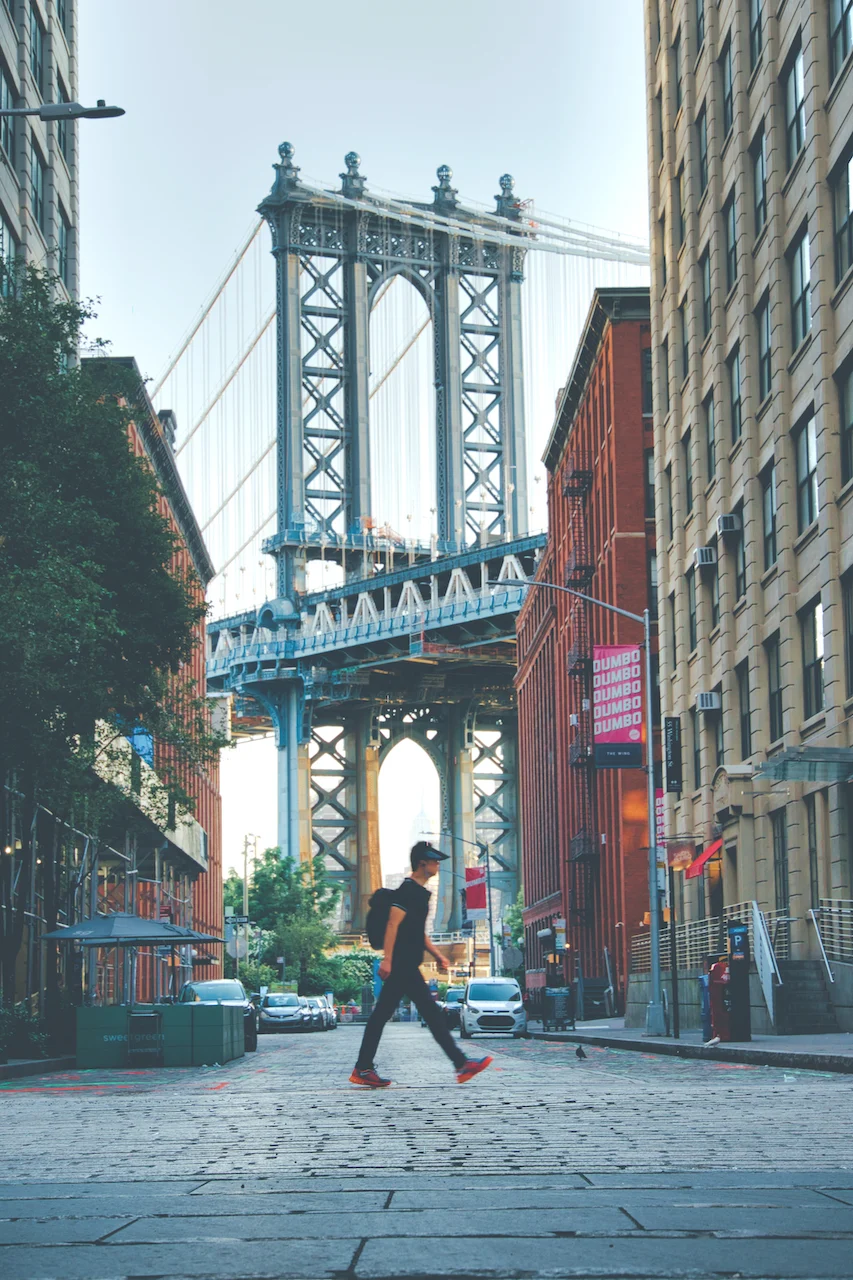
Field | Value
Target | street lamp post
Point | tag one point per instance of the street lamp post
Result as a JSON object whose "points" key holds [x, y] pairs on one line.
{"points": [[485, 852], [655, 1022], [66, 111]]}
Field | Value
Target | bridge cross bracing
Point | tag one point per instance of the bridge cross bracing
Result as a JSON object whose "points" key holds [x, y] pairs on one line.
{"points": [[352, 435]]}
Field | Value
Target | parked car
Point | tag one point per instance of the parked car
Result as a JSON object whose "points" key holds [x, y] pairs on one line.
{"points": [[453, 1004], [319, 1021], [331, 1013], [284, 1012], [492, 1004], [225, 991]]}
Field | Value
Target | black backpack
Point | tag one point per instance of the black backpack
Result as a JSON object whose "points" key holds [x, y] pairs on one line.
{"points": [[377, 917]]}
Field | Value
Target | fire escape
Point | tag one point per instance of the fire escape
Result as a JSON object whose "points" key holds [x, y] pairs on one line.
{"points": [[584, 849]]}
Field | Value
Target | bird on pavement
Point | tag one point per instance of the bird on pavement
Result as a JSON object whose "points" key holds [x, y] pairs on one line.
{"points": [[579, 1053]]}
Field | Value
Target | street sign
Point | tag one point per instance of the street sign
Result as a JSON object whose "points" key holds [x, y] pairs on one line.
{"points": [[672, 753], [238, 919]]}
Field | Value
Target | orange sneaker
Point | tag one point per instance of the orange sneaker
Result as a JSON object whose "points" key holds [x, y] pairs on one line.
{"points": [[472, 1068], [370, 1079]]}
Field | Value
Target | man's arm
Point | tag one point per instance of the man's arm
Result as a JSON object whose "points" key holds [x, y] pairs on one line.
{"points": [[395, 916], [436, 954]]}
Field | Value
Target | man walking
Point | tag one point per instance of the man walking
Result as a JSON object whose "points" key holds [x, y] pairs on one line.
{"points": [[405, 943]]}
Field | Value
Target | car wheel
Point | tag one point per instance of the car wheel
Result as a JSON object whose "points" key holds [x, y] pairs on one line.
{"points": [[251, 1041], [465, 1035]]}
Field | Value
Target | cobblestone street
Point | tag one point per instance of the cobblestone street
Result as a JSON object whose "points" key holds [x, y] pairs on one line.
{"points": [[619, 1164]]}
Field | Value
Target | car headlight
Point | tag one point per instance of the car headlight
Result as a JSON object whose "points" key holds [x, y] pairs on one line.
{"points": [[471, 1009]]}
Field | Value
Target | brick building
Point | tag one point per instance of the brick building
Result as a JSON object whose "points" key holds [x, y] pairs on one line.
{"points": [[584, 830]]}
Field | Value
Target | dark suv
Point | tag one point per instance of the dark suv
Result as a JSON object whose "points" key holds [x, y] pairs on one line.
{"points": [[225, 991]]}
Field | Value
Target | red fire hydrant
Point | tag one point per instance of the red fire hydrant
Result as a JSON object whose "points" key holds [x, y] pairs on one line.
{"points": [[718, 985]]}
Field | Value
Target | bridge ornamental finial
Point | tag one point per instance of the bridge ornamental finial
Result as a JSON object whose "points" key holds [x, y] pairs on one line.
{"points": [[353, 182], [506, 202], [445, 195], [286, 172]]}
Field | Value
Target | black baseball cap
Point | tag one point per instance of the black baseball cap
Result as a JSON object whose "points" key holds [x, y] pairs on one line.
{"points": [[423, 851]]}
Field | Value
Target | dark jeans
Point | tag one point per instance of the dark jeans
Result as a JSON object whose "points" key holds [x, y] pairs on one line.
{"points": [[400, 983]]}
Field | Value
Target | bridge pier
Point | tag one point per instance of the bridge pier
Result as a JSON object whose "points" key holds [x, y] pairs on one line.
{"points": [[294, 775], [458, 815], [369, 869]]}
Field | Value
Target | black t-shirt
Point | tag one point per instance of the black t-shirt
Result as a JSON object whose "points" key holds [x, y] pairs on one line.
{"points": [[412, 898]]}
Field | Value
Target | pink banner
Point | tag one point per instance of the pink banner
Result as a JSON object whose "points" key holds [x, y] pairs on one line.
{"points": [[617, 705], [475, 893]]}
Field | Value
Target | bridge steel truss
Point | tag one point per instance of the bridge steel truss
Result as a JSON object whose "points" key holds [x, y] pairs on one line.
{"points": [[418, 642]]}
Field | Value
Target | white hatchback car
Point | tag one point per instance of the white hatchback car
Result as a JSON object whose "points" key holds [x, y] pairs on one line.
{"points": [[494, 1005]]}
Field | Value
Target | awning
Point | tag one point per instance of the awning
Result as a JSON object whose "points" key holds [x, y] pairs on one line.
{"points": [[696, 867], [808, 764]]}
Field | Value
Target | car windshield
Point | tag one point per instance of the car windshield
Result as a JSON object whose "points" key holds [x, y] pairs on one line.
{"points": [[453, 997], [493, 991], [315, 1004], [280, 1002], [213, 991]]}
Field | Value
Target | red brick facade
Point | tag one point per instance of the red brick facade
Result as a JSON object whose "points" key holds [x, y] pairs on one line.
{"points": [[584, 830]]}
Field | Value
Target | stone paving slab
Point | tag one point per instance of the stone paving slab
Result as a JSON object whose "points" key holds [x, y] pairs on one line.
{"points": [[56, 1190], [59, 1230], [511, 1197], [730, 1179], [407, 1224], [296, 1260], [388, 1182], [638, 1258], [767, 1221], [142, 1205]]}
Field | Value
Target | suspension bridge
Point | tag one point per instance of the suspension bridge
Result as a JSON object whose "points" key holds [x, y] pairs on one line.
{"points": [[352, 437]]}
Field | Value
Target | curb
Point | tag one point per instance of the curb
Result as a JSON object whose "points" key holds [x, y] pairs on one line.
{"points": [[36, 1067], [755, 1057]]}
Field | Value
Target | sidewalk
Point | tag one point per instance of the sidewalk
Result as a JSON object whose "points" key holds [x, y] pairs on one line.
{"points": [[806, 1053], [17, 1067]]}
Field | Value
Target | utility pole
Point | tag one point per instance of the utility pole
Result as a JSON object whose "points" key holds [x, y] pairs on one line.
{"points": [[655, 1024]]}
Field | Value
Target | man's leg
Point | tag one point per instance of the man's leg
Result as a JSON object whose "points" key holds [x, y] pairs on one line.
{"points": [[418, 991], [383, 1011]]}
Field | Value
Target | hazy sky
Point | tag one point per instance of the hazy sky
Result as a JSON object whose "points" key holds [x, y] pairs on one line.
{"points": [[552, 93]]}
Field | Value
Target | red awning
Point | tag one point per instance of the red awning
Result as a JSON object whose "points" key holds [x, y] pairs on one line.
{"points": [[696, 867]]}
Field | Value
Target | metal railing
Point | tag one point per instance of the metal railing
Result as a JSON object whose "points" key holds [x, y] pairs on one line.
{"points": [[765, 959], [813, 916], [696, 939], [836, 928]]}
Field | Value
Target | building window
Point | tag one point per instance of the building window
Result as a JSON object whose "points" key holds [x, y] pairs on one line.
{"points": [[692, 631], [659, 126], [682, 211], [38, 182], [719, 740], [667, 500], [847, 426], [663, 270], [801, 302], [841, 32], [63, 264], [730, 221], [8, 250], [847, 604], [697, 749], [728, 87], [700, 24], [676, 71], [63, 127], [7, 123], [685, 340], [774, 686], [759, 181], [807, 492], [768, 510], [811, 627], [705, 272], [795, 109], [779, 830], [742, 677], [37, 49], [843, 223], [756, 35], [664, 369], [811, 838], [702, 138], [735, 405], [714, 589], [62, 13], [765, 369], [673, 638], [650, 484], [740, 555], [647, 382], [653, 584], [687, 455], [710, 437]]}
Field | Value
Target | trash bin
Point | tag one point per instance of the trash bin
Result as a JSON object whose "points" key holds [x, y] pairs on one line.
{"points": [[705, 1006], [558, 1009]]}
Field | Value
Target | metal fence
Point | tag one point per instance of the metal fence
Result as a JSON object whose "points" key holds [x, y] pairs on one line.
{"points": [[836, 927], [695, 939]]}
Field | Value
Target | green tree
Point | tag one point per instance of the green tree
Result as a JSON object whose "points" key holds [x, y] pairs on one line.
{"points": [[514, 921], [96, 617], [282, 889]]}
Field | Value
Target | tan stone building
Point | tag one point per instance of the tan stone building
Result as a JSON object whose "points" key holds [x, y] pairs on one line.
{"points": [[38, 160], [750, 126]]}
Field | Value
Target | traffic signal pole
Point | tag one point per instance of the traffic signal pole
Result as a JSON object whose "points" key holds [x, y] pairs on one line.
{"points": [[655, 1022]]}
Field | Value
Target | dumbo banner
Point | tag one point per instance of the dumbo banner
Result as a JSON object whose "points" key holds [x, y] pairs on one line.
{"points": [[617, 706]]}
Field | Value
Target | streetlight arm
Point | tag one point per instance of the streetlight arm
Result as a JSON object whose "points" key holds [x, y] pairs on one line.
{"points": [[602, 604], [66, 111]]}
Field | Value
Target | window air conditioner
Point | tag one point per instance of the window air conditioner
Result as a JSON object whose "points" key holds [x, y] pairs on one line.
{"points": [[574, 720], [703, 557], [708, 701], [728, 524]]}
